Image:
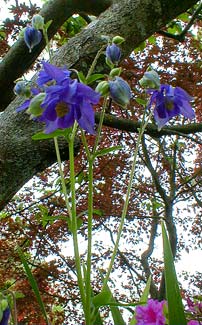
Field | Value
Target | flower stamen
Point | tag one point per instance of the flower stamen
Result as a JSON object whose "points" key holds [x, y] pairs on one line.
{"points": [[61, 109]]}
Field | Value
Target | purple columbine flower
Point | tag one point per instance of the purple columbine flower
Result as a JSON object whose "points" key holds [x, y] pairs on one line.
{"points": [[5, 318], [32, 37], [113, 53], [51, 73], [150, 314], [120, 91], [169, 102], [65, 101]]}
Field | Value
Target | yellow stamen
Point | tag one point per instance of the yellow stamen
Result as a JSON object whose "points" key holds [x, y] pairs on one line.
{"points": [[61, 109]]}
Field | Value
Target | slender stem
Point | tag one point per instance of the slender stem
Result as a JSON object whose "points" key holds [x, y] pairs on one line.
{"points": [[74, 220], [100, 124], [64, 189], [92, 68], [89, 254], [125, 207], [47, 43]]}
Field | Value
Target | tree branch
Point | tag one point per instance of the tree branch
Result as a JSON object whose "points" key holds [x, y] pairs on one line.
{"points": [[181, 37]]}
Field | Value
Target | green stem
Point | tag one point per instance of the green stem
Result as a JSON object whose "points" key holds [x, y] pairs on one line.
{"points": [[64, 189], [89, 254], [47, 44], [100, 124], [92, 68], [125, 207], [74, 220]]}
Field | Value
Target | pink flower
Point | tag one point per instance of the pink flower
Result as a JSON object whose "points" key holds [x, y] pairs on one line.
{"points": [[151, 314], [193, 322]]}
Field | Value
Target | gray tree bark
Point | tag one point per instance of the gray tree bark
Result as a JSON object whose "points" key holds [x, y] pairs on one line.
{"points": [[135, 20]]}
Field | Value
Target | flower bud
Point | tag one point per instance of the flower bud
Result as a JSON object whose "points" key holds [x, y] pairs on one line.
{"points": [[22, 89], [3, 304], [150, 80], [118, 40], [115, 72], [113, 53], [120, 91], [37, 22], [35, 108], [32, 37], [103, 88]]}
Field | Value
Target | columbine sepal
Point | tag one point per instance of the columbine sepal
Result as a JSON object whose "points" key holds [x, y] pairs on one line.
{"points": [[35, 108], [115, 72], [32, 37], [103, 88], [120, 91], [38, 22], [150, 80], [118, 40]]}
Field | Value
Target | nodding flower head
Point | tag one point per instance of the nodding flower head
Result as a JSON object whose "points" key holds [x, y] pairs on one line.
{"points": [[168, 102], [120, 91], [32, 37], [113, 53]]}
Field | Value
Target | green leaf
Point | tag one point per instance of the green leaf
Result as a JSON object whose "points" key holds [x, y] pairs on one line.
{"points": [[81, 77], [94, 77], [175, 306], [141, 101], [46, 26], [102, 298], [105, 151], [145, 294], [33, 283], [57, 133], [143, 299], [105, 298]]}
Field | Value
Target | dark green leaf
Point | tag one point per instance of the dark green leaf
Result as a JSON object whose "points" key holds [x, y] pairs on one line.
{"points": [[33, 283], [175, 306]]}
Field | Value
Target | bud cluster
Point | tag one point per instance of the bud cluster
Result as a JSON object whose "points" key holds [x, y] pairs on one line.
{"points": [[116, 87]]}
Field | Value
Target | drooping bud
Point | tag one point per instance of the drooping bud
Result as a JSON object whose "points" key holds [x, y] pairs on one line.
{"points": [[37, 22], [115, 72], [102, 88], [120, 91], [113, 53], [35, 108], [150, 80], [118, 40], [22, 89], [32, 37]]}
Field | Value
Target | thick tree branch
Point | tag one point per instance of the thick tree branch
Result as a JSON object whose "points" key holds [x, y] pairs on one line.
{"points": [[18, 60], [135, 20], [152, 130]]}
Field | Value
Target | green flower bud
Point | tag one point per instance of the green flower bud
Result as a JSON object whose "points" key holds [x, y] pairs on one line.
{"points": [[150, 80], [103, 88], [3, 304], [35, 108], [115, 72], [37, 22], [118, 40]]}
